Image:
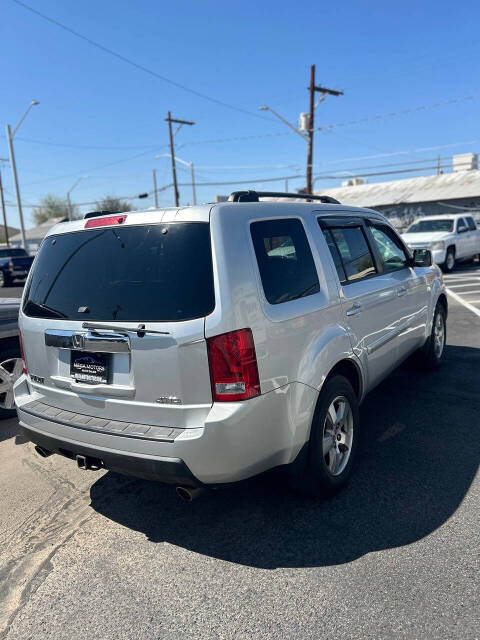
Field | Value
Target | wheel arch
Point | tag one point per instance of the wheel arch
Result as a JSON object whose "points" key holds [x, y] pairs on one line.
{"points": [[350, 370], [442, 300]]}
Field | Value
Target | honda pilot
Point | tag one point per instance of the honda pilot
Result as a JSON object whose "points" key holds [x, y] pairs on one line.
{"points": [[203, 345]]}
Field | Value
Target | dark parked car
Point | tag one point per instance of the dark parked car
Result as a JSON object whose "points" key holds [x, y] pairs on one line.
{"points": [[11, 365], [14, 265]]}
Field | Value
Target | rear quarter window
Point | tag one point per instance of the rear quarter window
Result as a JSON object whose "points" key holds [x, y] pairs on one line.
{"points": [[284, 258]]}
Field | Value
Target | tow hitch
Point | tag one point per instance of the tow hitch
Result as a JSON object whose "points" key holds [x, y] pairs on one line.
{"points": [[89, 464]]}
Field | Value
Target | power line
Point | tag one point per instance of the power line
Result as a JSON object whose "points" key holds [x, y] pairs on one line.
{"points": [[96, 168], [141, 67], [392, 114], [323, 128]]}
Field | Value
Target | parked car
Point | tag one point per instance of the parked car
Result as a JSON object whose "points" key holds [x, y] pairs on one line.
{"points": [[14, 265], [11, 365], [450, 238], [204, 345]]}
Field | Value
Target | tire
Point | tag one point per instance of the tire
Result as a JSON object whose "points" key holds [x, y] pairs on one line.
{"points": [[329, 468], [449, 265], [430, 356], [5, 355]]}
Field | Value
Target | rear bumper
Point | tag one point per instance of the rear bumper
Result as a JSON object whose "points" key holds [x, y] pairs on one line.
{"points": [[235, 442], [162, 469]]}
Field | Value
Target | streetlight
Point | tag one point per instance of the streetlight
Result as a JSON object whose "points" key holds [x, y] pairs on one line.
{"points": [[10, 135], [297, 131], [70, 211], [192, 171]]}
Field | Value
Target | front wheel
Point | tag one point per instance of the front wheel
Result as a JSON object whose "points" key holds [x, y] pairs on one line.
{"points": [[333, 439], [431, 354], [449, 263], [4, 280]]}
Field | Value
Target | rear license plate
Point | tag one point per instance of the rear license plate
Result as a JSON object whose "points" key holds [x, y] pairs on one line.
{"points": [[91, 368]]}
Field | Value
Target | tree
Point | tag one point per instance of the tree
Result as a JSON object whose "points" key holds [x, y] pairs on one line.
{"points": [[113, 204], [53, 207]]}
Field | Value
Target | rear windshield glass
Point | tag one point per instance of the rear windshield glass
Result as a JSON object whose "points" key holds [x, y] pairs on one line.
{"points": [[151, 273], [431, 225]]}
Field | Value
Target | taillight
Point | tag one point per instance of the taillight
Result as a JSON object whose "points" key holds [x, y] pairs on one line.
{"points": [[233, 366], [102, 222], [22, 352]]}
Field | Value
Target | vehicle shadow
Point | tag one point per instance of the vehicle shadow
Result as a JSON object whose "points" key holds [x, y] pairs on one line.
{"points": [[419, 456], [9, 428]]}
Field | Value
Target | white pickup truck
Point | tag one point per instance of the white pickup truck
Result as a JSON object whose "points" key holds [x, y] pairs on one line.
{"points": [[450, 238]]}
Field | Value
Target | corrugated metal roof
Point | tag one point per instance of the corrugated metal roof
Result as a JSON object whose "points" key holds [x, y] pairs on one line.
{"points": [[448, 186]]}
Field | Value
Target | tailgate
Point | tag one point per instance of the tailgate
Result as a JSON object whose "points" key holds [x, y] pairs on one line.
{"points": [[90, 291]]}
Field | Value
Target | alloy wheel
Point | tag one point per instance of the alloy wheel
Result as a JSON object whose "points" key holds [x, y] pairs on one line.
{"points": [[439, 335], [10, 371], [337, 435]]}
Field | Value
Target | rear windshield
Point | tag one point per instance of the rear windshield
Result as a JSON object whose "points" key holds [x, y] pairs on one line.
{"points": [[151, 273], [431, 225]]}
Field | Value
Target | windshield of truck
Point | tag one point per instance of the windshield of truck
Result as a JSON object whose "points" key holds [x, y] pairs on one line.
{"points": [[423, 226], [148, 273], [12, 253]]}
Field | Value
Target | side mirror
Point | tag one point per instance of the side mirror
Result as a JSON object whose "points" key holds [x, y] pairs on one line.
{"points": [[422, 258], [462, 228]]}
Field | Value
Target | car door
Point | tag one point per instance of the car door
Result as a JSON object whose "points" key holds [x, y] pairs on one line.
{"points": [[473, 237], [462, 241], [369, 297], [409, 283]]}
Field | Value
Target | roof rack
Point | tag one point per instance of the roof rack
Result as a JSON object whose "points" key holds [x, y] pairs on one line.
{"points": [[94, 214], [254, 196]]}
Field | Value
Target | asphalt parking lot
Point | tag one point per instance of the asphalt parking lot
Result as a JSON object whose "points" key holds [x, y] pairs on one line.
{"points": [[11, 292], [396, 555]]}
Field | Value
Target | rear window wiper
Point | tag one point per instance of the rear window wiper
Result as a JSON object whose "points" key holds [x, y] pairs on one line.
{"points": [[140, 330]]}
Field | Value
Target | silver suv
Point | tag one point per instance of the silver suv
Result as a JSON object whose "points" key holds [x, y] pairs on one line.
{"points": [[204, 345]]}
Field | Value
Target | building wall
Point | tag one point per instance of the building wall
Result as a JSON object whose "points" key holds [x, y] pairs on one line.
{"points": [[429, 208]]}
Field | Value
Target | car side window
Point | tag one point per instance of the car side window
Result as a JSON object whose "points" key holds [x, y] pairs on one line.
{"points": [[390, 248], [461, 225], [284, 258], [355, 254], [471, 223], [335, 255]]}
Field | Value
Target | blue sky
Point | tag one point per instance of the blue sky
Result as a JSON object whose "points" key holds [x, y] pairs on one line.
{"points": [[103, 118]]}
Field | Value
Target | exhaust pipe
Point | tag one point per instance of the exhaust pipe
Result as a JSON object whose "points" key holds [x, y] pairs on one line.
{"points": [[88, 464], [188, 494], [44, 453]]}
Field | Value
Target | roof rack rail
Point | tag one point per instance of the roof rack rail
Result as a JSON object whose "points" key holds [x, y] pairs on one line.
{"points": [[254, 196], [94, 214]]}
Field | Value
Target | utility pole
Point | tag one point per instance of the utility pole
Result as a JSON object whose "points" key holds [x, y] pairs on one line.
{"points": [[3, 211], [155, 194], [17, 188], [169, 119], [324, 91], [13, 165]]}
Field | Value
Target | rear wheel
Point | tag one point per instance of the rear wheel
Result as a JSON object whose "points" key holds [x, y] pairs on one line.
{"points": [[333, 440], [449, 263]]}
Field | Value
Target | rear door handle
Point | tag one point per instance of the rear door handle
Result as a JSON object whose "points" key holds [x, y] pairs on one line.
{"points": [[401, 292], [353, 311]]}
